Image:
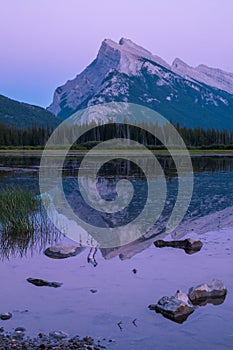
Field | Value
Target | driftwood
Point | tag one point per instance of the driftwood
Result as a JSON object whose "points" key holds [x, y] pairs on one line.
{"points": [[189, 245]]}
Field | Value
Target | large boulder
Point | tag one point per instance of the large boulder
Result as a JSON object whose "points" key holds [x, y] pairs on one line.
{"points": [[189, 245], [177, 308], [204, 293], [63, 251]]}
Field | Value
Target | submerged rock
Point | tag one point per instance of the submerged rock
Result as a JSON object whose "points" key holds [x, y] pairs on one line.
{"points": [[93, 291], [152, 307], [58, 335], [204, 293], [189, 245], [63, 251], [41, 283], [5, 316], [177, 308]]}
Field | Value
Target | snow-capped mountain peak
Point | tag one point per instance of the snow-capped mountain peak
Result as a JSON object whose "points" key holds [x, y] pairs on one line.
{"points": [[129, 55], [179, 64], [127, 72], [210, 76], [134, 49]]}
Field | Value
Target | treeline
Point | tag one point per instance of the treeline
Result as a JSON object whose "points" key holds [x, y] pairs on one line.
{"points": [[35, 136], [199, 137], [32, 136]]}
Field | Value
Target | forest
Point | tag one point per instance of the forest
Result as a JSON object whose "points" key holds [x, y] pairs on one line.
{"points": [[37, 136]]}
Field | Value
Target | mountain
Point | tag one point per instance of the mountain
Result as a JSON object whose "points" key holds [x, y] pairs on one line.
{"points": [[23, 115], [210, 76], [124, 71]]}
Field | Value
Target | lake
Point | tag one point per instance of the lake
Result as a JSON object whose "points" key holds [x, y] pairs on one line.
{"points": [[117, 313]]}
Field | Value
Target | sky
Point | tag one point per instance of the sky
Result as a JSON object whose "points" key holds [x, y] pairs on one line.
{"points": [[44, 43]]}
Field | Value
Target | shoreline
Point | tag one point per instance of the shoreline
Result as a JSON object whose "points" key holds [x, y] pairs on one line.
{"points": [[19, 340], [38, 153]]}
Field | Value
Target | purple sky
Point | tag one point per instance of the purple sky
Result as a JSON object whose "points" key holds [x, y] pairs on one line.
{"points": [[46, 42]]}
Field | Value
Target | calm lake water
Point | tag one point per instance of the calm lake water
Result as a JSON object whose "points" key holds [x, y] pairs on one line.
{"points": [[123, 296]]}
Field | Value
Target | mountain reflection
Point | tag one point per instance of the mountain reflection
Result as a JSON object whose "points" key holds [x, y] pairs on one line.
{"points": [[213, 191]]}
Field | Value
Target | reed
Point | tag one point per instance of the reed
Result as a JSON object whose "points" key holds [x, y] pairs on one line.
{"points": [[24, 224]]}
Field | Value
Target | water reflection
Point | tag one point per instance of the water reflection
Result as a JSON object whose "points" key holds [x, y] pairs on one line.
{"points": [[213, 191], [14, 245], [213, 301], [24, 225]]}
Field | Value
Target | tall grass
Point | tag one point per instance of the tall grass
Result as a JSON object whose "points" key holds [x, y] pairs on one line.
{"points": [[23, 223]]}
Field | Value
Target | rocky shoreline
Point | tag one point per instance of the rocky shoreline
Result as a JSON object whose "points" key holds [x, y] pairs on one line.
{"points": [[55, 340]]}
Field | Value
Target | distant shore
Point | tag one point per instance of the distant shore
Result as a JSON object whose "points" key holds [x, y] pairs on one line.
{"points": [[81, 152]]}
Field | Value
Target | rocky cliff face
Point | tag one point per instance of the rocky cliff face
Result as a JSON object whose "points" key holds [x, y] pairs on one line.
{"points": [[124, 71], [123, 57], [210, 76]]}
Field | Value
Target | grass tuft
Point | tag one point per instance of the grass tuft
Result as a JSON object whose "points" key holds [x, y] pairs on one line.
{"points": [[23, 223]]}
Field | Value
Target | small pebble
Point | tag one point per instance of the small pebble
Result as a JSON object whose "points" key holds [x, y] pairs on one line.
{"points": [[88, 339], [93, 290], [20, 329]]}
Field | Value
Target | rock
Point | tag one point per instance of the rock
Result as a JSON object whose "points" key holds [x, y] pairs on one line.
{"points": [[40, 283], [183, 297], [88, 340], [63, 251], [5, 316], [203, 293], [152, 306], [20, 329], [58, 335], [193, 245], [93, 291], [41, 335], [189, 245], [19, 332], [176, 308]]}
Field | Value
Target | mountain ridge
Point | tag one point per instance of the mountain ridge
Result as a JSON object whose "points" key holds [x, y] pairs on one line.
{"points": [[24, 115], [214, 77], [126, 72], [198, 96]]}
